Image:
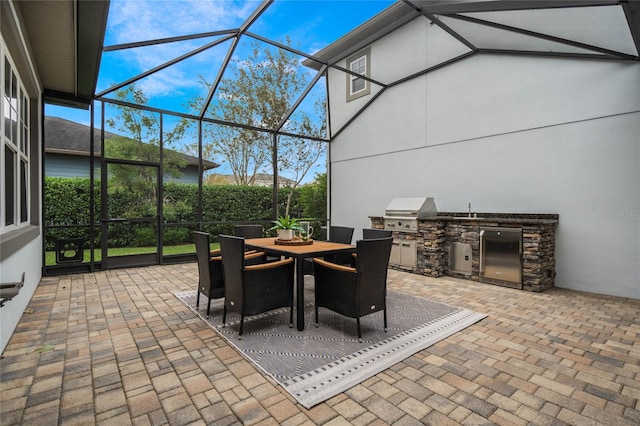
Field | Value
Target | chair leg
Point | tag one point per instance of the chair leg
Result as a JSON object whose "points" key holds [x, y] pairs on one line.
{"points": [[241, 326], [317, 324], [224, 315], [291, 315], [384, 312], [198, 299], [359, 331], [208, 308]]}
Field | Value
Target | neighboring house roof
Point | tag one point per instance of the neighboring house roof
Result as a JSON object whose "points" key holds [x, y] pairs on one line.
{"points": [[497, 15], [66, 38], [68, 137]]}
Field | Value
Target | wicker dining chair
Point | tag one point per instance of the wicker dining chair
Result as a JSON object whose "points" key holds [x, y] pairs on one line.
{"points": [[248, 231], [210, 274], [252, 231], [254, 289], [368, 234], [337, 234], [355, 292]]}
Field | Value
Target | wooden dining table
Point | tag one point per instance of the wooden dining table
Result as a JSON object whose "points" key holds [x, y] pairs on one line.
{"points": [[299, 253]]}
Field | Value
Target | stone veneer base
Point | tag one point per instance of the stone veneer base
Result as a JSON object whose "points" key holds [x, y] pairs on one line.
{"points": [[435, 236]]}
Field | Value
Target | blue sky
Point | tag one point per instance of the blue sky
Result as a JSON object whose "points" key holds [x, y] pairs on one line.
{"points": [[311, 25]]}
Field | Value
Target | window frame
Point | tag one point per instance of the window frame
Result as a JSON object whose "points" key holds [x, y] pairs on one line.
{"points": [[366, 90], [14, 136]]}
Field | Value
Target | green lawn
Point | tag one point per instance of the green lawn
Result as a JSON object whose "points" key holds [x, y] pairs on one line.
{"points": [[50, 258]]}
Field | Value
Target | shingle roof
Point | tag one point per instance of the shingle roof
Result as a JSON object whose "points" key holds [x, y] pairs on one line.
{"points": [[68, 137]]}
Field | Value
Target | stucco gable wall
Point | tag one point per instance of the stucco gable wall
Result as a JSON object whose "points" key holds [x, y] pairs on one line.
{"points": [[510, 134], [494, 94], [587, 172], [408, 46], [399, 116]]}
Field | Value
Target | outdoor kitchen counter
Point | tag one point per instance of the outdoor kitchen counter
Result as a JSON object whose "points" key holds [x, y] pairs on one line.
{"points": [[487, 218], [433, 239], [500, 219], [513, 218]]}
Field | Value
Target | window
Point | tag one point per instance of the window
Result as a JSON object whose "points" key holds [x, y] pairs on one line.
{"points": [[360, 65], [14, 181]]}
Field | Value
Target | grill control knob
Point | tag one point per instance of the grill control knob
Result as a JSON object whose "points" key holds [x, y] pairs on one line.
{"points": [[399, 223]]}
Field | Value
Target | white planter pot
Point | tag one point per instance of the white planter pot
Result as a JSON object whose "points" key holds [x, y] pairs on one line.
{"points": [[285, 234]]}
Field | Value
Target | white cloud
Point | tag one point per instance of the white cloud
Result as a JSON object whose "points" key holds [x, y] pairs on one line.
{"points": [[145, 20], [307, 22], [134, 21]]}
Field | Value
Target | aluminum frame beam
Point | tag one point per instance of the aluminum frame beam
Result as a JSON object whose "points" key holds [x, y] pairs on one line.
{"points": [[631, 10], [165, 40], [445, 7], [164, 65], [516, 30]]}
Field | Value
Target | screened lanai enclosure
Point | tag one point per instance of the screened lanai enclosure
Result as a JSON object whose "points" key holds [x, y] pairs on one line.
{"points": [[228, 97], [232, 123]]}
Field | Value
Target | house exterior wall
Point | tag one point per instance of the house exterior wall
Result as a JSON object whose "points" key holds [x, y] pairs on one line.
{"points": [[28, 260], [507, 134], [21, 248], [189, 175], [69, 166]]}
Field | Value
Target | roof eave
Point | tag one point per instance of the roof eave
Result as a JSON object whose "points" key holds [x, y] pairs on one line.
{"points": [[402, 12], [632, 13], [380, 25], [85, 33], [92, 24]]}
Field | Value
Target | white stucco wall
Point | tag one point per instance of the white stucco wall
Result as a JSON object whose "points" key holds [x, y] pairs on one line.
{"points": [[29, 261], [510, 134], [19, 256]]}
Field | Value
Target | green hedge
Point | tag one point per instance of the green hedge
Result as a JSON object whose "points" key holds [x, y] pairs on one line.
{"points": [[67, 203]]}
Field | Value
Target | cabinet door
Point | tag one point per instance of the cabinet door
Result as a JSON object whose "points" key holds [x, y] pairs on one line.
{"points": [[395, 257], [403, 253], [408, 254]]}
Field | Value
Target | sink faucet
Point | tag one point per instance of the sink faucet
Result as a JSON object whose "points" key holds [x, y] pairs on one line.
{"points": [[469, 208]]}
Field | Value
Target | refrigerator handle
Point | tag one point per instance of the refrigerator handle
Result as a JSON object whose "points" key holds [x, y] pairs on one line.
{"points": [[481, 256]]}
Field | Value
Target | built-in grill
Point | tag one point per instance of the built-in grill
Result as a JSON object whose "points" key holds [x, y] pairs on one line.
{"points": [[402, 214]]}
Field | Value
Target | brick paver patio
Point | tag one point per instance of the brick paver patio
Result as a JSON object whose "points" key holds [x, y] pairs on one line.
{"points": [[117, 347]]}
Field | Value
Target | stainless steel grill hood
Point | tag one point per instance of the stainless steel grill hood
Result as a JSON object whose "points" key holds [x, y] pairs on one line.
{"points": [[411, 208]]}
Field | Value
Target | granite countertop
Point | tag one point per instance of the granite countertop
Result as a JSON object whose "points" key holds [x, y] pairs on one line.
{"points": [[487, 218], [497, 219]]}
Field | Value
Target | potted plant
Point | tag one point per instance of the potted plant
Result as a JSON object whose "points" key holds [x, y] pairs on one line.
{"points": [[285, 225]]}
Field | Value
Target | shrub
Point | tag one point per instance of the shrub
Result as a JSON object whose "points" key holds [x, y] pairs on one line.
{"points": [[67, 203]]}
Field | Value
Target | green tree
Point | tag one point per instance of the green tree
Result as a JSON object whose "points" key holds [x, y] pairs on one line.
{"points": [[297, 156], [313, 197], [140, 141], [259, 91]]}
